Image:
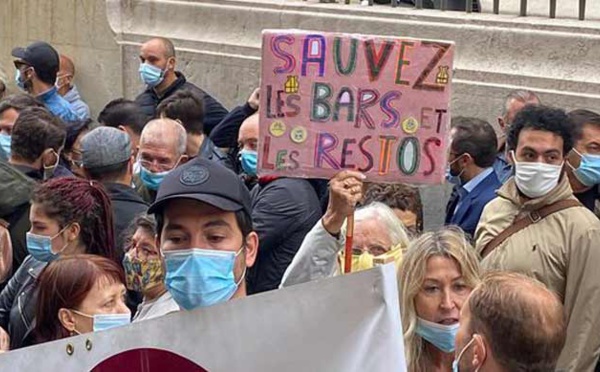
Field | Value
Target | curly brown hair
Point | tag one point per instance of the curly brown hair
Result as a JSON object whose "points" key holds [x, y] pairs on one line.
{"points": [[396, 196]]}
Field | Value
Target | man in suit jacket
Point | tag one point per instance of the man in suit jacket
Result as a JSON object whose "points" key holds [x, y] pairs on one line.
{"points": [[472, 153]]}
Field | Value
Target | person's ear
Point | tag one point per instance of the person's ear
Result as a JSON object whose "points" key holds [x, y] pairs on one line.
{"points": [[130, 164], [48, 157], [184, 159], [251, 248], [67, 319], [479, 352], [171, 63], [510, 156], [502, 123], [72, 232]]}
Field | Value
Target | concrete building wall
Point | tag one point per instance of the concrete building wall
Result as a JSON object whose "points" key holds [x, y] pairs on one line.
{"points": [[77, 28]]}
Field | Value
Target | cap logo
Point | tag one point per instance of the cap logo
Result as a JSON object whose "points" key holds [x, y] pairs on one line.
{"points": [[194, 175]]}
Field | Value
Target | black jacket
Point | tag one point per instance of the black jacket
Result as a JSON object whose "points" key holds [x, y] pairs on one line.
{"points": [[226, 133], [18, 302], [214, 112], [126, 205], [283, 212], [209, 151], [15, 192]]}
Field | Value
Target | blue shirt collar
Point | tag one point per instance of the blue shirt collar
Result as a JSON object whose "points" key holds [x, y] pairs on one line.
{"points": [[472, 184], [47, 94]]}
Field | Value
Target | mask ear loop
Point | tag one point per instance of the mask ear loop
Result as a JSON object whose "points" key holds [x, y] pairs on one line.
{"points": [[243, 247]]}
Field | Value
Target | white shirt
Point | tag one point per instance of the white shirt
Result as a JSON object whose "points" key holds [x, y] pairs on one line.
{"points": [[156, 308]]}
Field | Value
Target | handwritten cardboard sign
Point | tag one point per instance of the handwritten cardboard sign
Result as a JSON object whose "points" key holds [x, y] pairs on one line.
{"points": [[378, 105]]}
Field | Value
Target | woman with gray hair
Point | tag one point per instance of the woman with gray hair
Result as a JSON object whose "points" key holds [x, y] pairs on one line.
{"points": [[379, 236]]}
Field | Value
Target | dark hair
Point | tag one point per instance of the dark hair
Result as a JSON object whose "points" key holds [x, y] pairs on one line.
{"points": [[64, 284], [47, 76], [141, 221], [580, 118], [19, 102], [396, 196], [541, 118], [36, 130], [110, 173], [68, 200], [521, 320], [75, 129], [243, 220], [123, 112], [185, 106], [476, 138]]}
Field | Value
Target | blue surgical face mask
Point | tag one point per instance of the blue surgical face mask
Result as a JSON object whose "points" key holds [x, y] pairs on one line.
{"points": [[152, 180], [40, 246], [588, 172], [457, 360], [453, 179], [20, 83], [102, 322], [201, 277], [151, 75], [439, 335], [249, 160], [5, 144]]}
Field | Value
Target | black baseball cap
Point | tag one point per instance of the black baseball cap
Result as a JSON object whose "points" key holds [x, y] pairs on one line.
{"points": [[39, 55], [206, 181]]}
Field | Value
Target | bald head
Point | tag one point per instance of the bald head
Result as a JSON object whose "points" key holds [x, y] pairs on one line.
{"points": [[248, 134], [66, 66], [513, 304], [162, 145], [160, 45], [164, 131], [514, 102]]}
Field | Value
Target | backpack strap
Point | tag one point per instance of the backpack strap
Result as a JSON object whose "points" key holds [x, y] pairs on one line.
{"points": [[531, 218]]}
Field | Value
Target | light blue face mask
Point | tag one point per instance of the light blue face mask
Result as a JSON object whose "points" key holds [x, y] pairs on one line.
{"points": [[102, 322], [457, 360], [152, 180], [455, 180], [249, 160], [201, 277], [5, 144], [40, 246], [588, 172], [151, 75], [439, 335], [20, 83]]}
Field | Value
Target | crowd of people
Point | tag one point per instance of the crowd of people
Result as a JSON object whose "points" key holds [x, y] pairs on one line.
{"points": [[157, 207]]}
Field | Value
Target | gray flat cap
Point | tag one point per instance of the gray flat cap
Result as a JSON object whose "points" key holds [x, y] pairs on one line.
{"points": [[104, 147]]}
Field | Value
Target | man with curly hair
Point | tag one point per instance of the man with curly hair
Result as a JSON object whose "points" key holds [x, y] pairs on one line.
{"points": [[537, 227]]}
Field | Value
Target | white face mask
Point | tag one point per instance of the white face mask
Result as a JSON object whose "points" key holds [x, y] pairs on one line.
{"points": [[536, 179]]}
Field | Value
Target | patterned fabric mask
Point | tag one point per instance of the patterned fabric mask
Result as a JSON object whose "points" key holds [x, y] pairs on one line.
{"points": [[142, 275]]}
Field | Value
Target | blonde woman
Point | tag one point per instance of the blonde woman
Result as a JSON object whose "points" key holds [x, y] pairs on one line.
{"points": [[438, 272]]}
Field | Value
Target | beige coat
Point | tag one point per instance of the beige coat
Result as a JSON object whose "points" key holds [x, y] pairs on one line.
{"points": [[562, 251]]}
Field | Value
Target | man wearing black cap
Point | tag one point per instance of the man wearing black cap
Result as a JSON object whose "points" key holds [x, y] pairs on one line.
{"points": [[37, 66], [204, 230]]}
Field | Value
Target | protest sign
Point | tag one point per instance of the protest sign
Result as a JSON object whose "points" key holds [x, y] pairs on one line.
{"points": [[374, 104], [347, 323]]}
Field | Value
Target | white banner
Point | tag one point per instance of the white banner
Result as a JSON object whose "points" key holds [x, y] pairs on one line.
{"points": [[347, 323]]}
